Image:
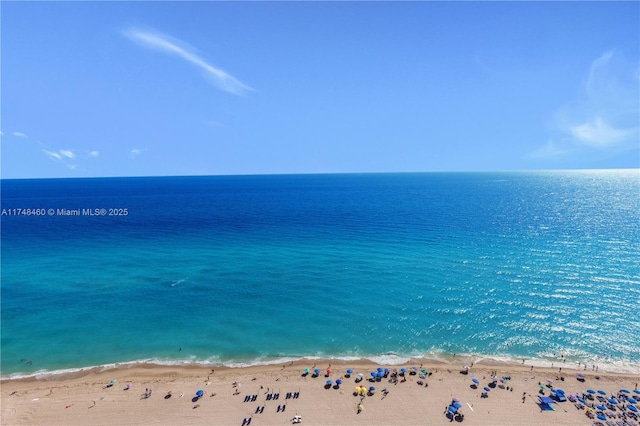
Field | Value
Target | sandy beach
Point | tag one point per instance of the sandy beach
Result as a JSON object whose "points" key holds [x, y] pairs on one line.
{"points": [[138, 394]]}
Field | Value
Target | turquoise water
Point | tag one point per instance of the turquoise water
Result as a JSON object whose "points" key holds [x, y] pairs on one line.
{"points": [[247, 269]]}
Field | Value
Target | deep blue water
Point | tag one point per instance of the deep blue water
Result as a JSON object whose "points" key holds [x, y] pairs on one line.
{"points": [[242, 269]]}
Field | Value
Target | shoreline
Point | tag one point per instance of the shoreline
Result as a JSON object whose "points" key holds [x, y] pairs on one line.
{"points": [[85, 397], [596, 366]]}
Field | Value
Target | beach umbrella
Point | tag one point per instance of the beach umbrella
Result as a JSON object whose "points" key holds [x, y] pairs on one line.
{"points": [[601, 392], [380, 375], [403, 370], [632, 400], [372, 388], [328, 371], [316, 371], [349, 371], [386, 370], [487, 389], [200, 393], [360, 375], [374, 374], [306, 370], [455, 400], [632, 408], [580, 376], [358, 389], [452, 409], [559, 391], [601, 407], [581, 400], [612, 401], [542, 386], [329, 382], [601, 416], [476, 381], [624, 390], [424, 371], [379, 370], [591, 391], [338, 382], [636, 391], [113, 381], [414, 368], [456, 404]]}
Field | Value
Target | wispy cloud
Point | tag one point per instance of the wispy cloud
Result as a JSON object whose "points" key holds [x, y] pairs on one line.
{"points": [[598, 133], [52, 155], [94, 154], [67, 153], [19, 135], [549, 150], [605, 118], [597, 65], [167, 44], [135, 152]]}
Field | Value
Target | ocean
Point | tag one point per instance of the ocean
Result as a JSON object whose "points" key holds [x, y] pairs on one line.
{"points": [[241, 270]]}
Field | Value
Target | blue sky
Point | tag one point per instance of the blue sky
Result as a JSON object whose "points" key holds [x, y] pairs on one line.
{"points": [[170, 88]]}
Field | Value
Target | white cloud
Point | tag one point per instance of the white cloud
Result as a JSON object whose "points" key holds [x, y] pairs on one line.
{"points": [[19, 135], [67, 153], [94, 154], [1, 133], [221, 79], [598, 133], [72, 166], [605, 118], [52, 155]]}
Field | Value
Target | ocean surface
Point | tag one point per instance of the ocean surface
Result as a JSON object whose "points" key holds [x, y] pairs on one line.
{"points": [[241, 270]]}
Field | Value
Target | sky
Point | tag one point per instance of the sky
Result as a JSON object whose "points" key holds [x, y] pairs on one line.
{"points": [[93, 89]]}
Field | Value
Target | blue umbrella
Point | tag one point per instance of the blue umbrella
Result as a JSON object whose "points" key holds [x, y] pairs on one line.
{"points": [[200, 393], [591, 391], [612, 401], [457, 404], [386, 370], [452, 409], [414, 368], [582, 400], [372, 388], [329, 382], [601, 407], [349, 371], [632, 400], [476, 381], [379, 369], [374, 374], [636, 391], [601, 416], [486, 389], [403, 370], [338, 382], [624, 390], [316, 371], [632, 408], [560, 391], [601, 392]]}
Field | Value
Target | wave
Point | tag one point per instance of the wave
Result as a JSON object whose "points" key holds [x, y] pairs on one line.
{"points": [[387, 359]]}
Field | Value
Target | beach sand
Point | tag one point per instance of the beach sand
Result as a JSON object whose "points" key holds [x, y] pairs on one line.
{"points": [[82, 398]]}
